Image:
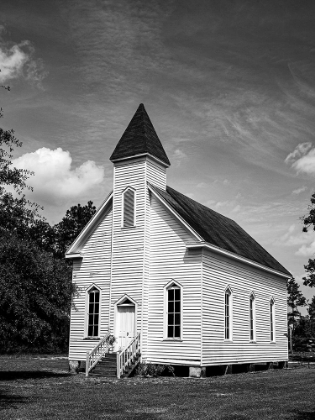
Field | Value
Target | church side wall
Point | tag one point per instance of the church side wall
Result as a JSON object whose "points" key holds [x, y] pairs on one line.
{"points": [[169, 261], [220, 272], [93, 268]]}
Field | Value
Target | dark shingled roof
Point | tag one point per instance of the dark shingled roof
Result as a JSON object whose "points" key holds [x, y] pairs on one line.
{"points": [[140, 138], [218, 230]]}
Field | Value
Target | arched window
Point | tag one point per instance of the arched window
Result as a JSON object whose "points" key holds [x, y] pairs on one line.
{"points": [[252, 317], [129, 208], [228, 314], [93, 316], [272, 319], [173, 296]]}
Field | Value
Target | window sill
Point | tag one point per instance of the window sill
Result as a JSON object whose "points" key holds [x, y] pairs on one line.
{"points": [[273, 342], [228, 340], [252, 341], [172, 339], [92, 338]]}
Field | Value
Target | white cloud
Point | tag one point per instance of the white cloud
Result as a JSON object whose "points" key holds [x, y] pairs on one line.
{"points": [[302, 159], [18, 60], [306, 250], [299, 190], [12, 62], [54, 180], [300, 150]]}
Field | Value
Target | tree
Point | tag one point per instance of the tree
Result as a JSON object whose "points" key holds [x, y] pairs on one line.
{"points": [[295, 299], [35, 297], [309, 220], [71, 225], [35, 287]]}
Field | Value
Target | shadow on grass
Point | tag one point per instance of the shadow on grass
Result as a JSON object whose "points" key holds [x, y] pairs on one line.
{"points": [[304, 415], [28, 374], [10, 401]]}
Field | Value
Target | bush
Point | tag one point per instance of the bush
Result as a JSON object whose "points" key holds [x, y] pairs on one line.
{"points": [[151, 370]]}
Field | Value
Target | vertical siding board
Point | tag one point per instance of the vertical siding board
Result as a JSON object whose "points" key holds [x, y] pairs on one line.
{"points": [[218, 272], [93, 268]]}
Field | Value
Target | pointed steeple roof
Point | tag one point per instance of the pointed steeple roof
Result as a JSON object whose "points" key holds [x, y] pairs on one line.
{"points": [[140, 138]]}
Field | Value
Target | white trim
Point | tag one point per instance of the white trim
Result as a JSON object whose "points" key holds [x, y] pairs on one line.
{"points": [[236, 257], [86, 312], [116, 304], [272, 317], [143, 155], [123, 207], [252, 297], [87, 229], [175, 213], [228, 291], [165, 323]]}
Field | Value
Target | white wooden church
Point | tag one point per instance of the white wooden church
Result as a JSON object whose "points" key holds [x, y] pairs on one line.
{"points": [[173, 281]]}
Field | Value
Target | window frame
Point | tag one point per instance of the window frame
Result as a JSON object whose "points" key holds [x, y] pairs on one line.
{"points": [[87, 312], [173, 285], [123, 208], [252, 317], [228, 327], [272, 320]]}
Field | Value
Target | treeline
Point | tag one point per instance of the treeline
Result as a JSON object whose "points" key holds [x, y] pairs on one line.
{"points": [[35, 279]]}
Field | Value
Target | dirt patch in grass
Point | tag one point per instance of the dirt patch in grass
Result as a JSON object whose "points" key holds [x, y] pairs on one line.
{"points": [[42, 388]]}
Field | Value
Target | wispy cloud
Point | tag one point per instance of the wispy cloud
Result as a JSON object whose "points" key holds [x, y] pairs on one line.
{"points": [[302, 159], [18, 60], [299, 190]]}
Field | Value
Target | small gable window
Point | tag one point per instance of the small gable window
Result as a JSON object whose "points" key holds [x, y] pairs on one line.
{"points": [[228, 314], [173, 314], [272, 320], [252, 314], [94, 312], [129, 208]]}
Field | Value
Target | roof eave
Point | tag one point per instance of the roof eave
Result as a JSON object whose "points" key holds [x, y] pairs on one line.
{"points": [[71, 252], [238, 258], [161, 162]]}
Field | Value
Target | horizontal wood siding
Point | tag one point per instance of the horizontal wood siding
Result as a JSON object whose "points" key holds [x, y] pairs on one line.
{"points": [[93, 268], [169, 261], [128, 243], [218, 273], [156, 174]]}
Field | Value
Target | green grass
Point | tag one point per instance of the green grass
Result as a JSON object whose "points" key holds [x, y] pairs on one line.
{"points": [[41, 388]]}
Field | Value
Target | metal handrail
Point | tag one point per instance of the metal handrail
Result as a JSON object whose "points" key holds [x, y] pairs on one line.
{"points": [[128, 355], [96, 354]]}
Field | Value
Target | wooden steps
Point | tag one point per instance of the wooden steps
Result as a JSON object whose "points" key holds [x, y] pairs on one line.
{"points": [[106, 367]]}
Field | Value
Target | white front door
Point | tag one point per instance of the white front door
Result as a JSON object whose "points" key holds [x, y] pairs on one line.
{"points": [[126, 324]]}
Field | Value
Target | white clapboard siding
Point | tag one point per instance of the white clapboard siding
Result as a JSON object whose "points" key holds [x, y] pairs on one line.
{"points": [[169, 261], [220, 272], [130, 248], [93, 268], [156, 173], [128, 242]]}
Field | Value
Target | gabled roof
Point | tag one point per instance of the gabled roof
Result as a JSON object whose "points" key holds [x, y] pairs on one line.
{"points": [[218, 230], [140, 138]]}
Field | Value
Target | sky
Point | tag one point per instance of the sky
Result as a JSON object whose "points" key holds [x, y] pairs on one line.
{"points": [[228, 84]]}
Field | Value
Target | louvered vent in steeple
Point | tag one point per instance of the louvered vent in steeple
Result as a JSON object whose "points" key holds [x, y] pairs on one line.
{"points": [[129, 211]]}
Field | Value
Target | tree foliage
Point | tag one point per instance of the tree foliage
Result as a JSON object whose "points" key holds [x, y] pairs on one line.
{"points": [[71, 225], [35, 287], [35, 297], [309, 221], [295, 300]]}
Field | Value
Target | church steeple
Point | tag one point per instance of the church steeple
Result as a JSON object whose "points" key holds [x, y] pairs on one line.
{"points": [[140, 139]]}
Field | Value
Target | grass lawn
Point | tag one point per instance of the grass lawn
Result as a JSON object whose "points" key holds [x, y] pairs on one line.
{"points": [[41, 388]]}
